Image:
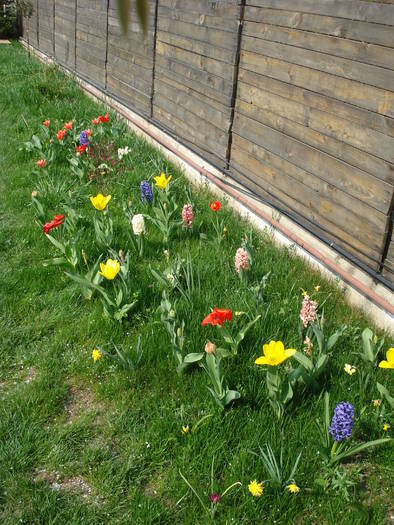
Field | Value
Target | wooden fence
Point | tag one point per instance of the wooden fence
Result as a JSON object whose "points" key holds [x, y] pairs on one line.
{"points": [[294, 98]]}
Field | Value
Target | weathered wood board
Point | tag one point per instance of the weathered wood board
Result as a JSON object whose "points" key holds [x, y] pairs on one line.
{"points": [[314, 117], [46, 26], [195, 57], [130, 59], [91, 40], [65, 26]]}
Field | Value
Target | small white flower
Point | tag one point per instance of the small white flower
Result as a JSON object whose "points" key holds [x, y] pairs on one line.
{"points": [[138, 224], [350, 369], [122, 152]]}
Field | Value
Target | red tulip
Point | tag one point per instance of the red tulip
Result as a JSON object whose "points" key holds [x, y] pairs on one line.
{"points": [[215, 206], [61, 134], [96, 121], [218, 316], [89, 132], [105, 118], [41, 163], [46, 123], [54, 223], [68, 125], [80, 149]]}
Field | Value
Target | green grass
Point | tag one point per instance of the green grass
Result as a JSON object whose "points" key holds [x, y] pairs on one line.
{"points": [[120, 432]]}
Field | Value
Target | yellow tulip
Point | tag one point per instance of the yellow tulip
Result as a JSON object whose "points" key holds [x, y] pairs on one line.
{"points": [[390, 359], [185, 429], [110, 269], [100, 201], [386, 427], [275, 354], [162, 181]]}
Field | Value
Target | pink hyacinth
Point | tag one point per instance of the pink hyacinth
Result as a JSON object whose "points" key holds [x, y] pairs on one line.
{"points": [[308, 311], [187, 215], [241, 260]]}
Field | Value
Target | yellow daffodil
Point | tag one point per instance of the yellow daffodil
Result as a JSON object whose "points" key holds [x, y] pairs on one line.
{"points": [[255, 488], [293, 488], [317, 288], [96, 354], [185, 429], [377, 403], [386, 426], [100, 201], [275, 354], [162, 181], [390, 359], [110, 269], [349, 369]]}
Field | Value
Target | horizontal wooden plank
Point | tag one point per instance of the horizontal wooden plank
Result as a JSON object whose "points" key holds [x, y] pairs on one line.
{"points": [[357, 183], [198, 33], [190, 126], [354, 9], [134, 98], [340, 47], [196, 61], [324, 213], [366, 32], [215, 87], [350, 142], [362, 117], [332, 197], [196, 18], [195, 105], [287, 203], [200, 48], [342, 67], [227, 10], [362, 95]]}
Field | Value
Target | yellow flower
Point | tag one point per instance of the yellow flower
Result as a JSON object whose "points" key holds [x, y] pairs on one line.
{"points": [[96, 354], [386, 426], [255, 488], [162, 181], [377, 403], [100, 201], [275, 354], [317, 288], [110, 269], [390, 359], [349, 369], [185, 429], [293, 488]]}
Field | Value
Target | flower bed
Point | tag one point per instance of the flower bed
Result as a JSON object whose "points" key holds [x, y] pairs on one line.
{"points": [[240, 384]]}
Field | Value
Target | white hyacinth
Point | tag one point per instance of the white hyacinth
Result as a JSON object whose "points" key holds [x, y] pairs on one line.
{"points": [[138, 224], [122, 152]]}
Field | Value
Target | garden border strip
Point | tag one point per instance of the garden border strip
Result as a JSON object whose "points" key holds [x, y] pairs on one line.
{"points": [[361, 290]]}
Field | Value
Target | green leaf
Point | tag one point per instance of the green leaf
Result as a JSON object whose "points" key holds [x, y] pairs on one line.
{"points": [[124, 14], [368, 345], [358, 448], [231, 395], [303, 360], [193, 357], [332, 340], [386, 394]]}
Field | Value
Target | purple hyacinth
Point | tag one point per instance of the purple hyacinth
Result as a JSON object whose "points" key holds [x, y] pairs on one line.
{"points": [[342, 421], [84, 138], [146, 191]]}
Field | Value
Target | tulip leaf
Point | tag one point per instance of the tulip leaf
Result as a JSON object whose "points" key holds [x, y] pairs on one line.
{"points": [[193, 357], [231, 395], [124, 14]]}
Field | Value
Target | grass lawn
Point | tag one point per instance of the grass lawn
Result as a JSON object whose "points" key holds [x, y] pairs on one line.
{"points": [[84, 442]]}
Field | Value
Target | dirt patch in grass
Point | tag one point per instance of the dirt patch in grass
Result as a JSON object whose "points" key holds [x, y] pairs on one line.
{"points": [[154, 490], [80, 401], [75, 484], [31, 374]]}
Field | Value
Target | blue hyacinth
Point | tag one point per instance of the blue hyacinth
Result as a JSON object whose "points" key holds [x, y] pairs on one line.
{"points": [[84, 138], [342, 421], [146, 191]]}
